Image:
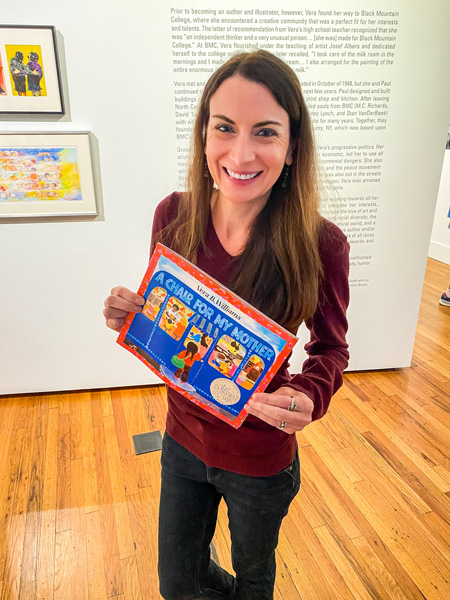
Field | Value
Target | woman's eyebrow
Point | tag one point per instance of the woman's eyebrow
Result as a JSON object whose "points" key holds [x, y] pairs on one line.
{"points": [[223, 118], [261, 124]]}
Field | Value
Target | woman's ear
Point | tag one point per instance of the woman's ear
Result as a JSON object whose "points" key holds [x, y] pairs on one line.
{"points": [[290, 154]]}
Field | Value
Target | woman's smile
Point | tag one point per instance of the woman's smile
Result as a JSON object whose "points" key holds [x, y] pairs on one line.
{"points": [[242, 177]]}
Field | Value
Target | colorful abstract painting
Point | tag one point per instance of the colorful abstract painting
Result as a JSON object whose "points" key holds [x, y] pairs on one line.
{"points": [[26, 70], [35, 174]]}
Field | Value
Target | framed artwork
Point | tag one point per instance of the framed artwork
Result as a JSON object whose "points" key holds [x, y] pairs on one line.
{"points": [[30, 80], [46, 175]]}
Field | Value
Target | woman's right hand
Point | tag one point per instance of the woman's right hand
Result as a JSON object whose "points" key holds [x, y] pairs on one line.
{"points": [[119, 304]]}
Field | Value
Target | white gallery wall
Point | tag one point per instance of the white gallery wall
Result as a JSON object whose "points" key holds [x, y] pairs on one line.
{"points": [[122, 66], [440, 237]]}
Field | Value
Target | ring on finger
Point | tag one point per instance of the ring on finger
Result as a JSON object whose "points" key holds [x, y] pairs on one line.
{"points": [[293, 405], [282, 425]]}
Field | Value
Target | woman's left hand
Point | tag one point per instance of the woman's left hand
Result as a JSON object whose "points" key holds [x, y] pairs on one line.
{"points": [[274, 409]]}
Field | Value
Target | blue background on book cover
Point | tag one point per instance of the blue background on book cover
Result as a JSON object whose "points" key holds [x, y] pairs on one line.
{"points": [[158, 347]]}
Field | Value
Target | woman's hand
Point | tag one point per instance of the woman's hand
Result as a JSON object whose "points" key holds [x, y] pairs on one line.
{"points": [[119, 304], [274, 409]]}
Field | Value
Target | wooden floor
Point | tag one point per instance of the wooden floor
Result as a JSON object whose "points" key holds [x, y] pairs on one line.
{"points": [[78, 509]]}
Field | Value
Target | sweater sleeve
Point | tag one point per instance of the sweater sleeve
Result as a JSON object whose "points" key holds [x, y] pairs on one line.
{"points": [[327, 348]]}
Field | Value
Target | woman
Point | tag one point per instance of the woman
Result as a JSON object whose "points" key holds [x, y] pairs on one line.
{"points": [[34, 74], [19, 71], [258, 231], [189, 356]]}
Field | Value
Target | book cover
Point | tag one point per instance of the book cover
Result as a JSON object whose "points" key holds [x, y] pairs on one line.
{"points": [[201, 339]]}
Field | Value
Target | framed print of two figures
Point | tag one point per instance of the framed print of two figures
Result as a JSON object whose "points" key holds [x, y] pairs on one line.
{"points": [[30, 80]]}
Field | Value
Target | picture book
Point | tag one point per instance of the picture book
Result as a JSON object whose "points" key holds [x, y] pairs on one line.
{"points": [[201, 339]]}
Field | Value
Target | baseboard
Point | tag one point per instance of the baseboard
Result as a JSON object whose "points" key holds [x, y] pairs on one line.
{"points": [[440, 252]]}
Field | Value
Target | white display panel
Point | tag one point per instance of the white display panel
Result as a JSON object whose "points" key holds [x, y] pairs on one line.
{"points": [[379, 100], [440, 239]]}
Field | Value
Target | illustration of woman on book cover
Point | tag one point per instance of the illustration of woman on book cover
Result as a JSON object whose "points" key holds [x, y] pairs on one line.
{"points": [[188, 357], [251, 372], [154, 302], [227, 356], [174, 319]]}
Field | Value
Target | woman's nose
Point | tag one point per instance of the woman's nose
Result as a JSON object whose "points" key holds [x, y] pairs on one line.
{"points": [[242, 150]]}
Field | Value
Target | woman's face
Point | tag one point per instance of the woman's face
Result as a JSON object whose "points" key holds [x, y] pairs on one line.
{"points": [[247, 141]]}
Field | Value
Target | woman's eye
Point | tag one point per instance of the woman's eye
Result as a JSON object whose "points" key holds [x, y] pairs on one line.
{"points": [[266, 133], [224, 128]]}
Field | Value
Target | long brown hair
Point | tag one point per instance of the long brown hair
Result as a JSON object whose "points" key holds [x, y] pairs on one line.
{"points": [[279, 269]]}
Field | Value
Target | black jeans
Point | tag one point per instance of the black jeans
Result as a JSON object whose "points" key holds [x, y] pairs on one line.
{"points": [[190, 495]]}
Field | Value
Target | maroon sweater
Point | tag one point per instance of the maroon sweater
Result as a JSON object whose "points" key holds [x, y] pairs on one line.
{"points": [[257, 448]]}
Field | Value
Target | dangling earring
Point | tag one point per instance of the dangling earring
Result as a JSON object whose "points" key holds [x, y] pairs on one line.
{"points": [[285, 177], [206, 172]]}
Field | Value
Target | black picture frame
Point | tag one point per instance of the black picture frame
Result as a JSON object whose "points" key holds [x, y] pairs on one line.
{"points": [[24, 91]]}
